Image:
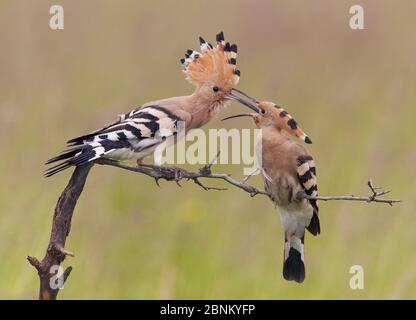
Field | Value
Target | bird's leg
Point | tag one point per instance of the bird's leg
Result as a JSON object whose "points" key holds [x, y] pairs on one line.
{"points": [[301, 195], [168, 173], [139, 162]]}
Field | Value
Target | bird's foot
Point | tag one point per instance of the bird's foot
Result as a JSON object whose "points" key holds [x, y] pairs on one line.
{"points": [[178, 174], [168, 173], [301, 195]]}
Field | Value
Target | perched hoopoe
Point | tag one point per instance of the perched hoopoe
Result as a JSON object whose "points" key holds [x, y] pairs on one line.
{"points": [[287, 169], [145, 130]]}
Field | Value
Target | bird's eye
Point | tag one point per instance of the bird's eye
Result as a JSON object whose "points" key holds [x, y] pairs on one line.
{"points": [[215, 89]]}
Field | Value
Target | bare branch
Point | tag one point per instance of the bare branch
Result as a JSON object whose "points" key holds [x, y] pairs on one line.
{"points": [[64, 251], [61, 224], [374, 197], [207, 168], [177, 174]]}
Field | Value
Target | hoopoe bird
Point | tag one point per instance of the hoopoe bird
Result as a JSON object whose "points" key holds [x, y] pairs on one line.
{"points": [[149, 129], [287, 170]]}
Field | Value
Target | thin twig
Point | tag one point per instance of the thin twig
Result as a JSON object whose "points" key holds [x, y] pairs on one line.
{"points": [[177, 174], [374, 197]]}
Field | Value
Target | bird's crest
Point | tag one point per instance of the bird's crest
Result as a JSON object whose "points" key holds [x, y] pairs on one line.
{"points": [[289, 124], [213, 64], [283, 120]]}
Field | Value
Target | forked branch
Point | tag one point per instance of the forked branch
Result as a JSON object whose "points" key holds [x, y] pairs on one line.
{"points": [[50, 275], [50, 282]]}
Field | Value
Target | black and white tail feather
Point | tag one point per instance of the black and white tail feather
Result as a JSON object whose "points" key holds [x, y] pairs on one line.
{"points": [[307, 177], [133, 135], [294, 260]]}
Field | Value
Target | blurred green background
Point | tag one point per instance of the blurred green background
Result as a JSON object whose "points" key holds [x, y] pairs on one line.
{"points": [[352, 91]]}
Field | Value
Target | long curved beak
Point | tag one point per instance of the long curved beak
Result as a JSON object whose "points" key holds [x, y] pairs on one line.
{"points": [[246, 95], [238, 115], [233, 96]]}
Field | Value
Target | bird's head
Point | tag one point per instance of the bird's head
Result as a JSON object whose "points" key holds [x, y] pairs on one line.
{"points": [[213, 70], [270, 114]]}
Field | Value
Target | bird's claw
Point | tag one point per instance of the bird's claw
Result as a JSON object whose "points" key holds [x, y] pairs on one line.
{"points": [[157, 182], [178, 175], [178, 172]]}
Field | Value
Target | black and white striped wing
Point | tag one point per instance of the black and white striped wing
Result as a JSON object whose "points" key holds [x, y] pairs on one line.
{"points": [[132, 136], [306, 171]]}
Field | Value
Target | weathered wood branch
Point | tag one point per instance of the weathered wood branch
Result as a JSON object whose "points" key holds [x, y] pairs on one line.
{"points": [[61, 226], [61, 223]]}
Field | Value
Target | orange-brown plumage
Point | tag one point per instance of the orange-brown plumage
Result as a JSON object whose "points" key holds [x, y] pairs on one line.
{"points": [[216, 65], [287, 169], [285, 121], [151, 128]]}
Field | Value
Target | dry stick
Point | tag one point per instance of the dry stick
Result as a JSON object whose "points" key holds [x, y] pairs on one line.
{"points": [[61, 223], [178, 174], [61, 226], [372, 198]]}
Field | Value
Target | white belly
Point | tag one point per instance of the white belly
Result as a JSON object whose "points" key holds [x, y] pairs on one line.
{"points": [[295, 218]]}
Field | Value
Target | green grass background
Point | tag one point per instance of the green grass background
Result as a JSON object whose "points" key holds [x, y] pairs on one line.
{"points": [[352, 91]]}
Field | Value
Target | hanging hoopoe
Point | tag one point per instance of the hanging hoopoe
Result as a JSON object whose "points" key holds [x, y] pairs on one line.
{"points": [[287, 169], [145, 130]]}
